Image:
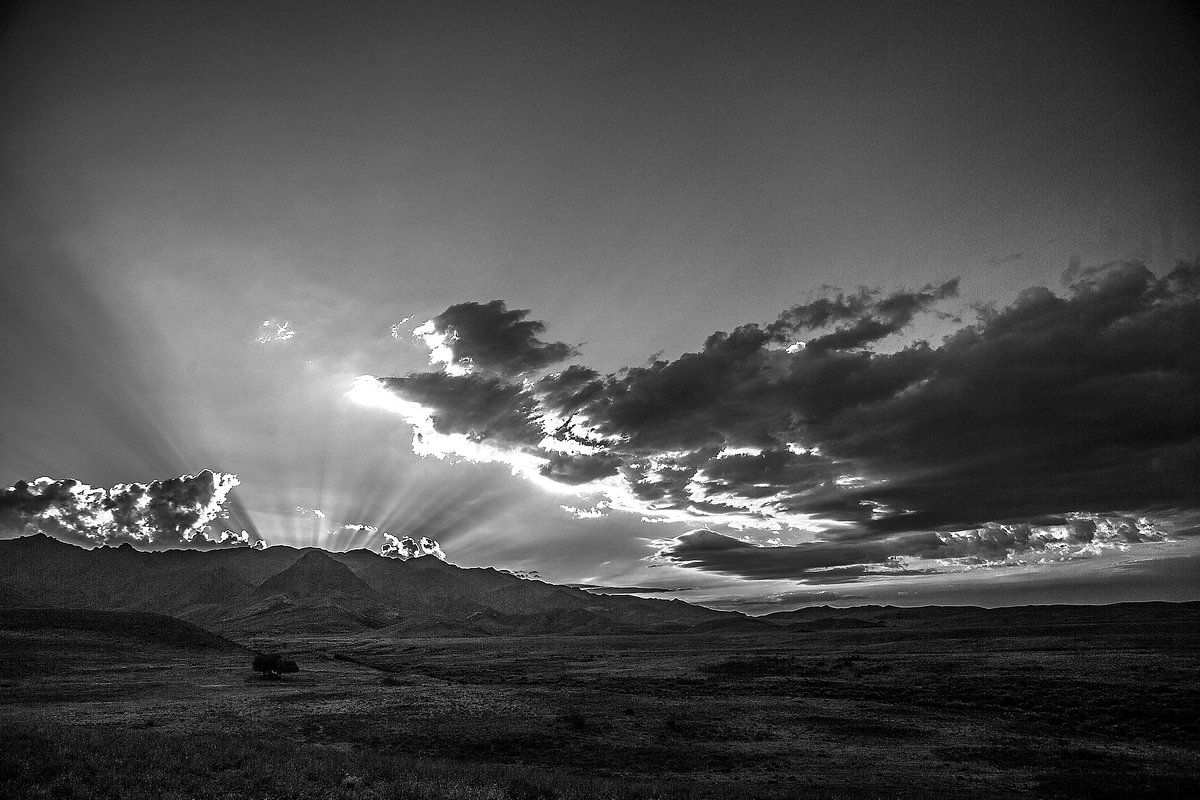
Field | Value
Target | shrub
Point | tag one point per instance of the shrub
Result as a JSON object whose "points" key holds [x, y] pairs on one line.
{"points": [[273, 665]]}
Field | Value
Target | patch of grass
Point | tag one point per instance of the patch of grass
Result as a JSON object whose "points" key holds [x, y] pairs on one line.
{"points": [[575, 719], [872, 728], [753, 667], [1078, 771], [41, 761], [840, 714]]}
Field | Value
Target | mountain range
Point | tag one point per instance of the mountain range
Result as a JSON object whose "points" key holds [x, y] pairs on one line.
{"points": [[244, 592]]}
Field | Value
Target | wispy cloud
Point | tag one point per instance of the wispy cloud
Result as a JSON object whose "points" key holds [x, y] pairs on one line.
{"points": [[275, 331], [996, 261]]}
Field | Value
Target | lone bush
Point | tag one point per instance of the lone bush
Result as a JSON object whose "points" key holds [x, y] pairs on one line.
{"points": [[273, 665]]}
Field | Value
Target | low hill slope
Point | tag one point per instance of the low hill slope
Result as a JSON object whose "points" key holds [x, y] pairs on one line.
{"points": [[155, 630]]}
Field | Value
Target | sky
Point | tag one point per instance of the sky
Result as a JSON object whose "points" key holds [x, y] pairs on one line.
{"points": [[756, 305]]}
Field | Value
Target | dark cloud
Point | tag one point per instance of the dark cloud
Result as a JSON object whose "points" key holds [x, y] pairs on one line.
{"points": [[569, 390], [716, 552], [477, 407], [1051, 405], [996, 261], [491, 338], [882, 317], [576, 469], [861, 318], [844, 561], [739, 390], [160, 513], [1085, 402]]}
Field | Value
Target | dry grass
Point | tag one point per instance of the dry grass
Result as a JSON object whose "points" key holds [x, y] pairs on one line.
{"points": [[862, 713]]}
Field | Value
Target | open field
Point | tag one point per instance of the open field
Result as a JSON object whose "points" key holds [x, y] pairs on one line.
{"points": [[908, 709]]}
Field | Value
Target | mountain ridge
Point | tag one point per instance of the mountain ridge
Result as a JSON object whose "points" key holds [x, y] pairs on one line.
{"points": [[242, 592]]}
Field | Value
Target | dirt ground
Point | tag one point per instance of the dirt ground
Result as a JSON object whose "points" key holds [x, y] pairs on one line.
{"points": [[898, 711]]}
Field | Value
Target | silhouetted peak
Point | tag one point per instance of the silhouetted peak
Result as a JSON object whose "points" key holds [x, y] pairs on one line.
{"points": [[318, 563], [40, 540], [315, 572], [315, 556]]}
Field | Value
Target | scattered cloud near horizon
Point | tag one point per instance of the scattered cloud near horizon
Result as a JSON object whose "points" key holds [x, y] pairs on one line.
{"points": [[162, 513], [401, 547], [991, 445], [405, 547], [184, 511], [848, 559]]}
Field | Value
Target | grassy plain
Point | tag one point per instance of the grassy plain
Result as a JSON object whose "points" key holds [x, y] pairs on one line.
{"points": [[910, 709]]}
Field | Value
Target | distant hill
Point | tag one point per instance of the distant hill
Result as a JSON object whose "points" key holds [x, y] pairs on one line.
{"points": [[992, 622], [244, 592], [156, 630]]}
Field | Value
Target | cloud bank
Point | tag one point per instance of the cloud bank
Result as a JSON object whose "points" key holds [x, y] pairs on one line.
{"points": [[162, 513], [1073, 537], [1051, 407]]}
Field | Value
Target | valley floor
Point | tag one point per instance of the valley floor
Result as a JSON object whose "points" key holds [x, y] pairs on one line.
{"points": [[907, 710]]}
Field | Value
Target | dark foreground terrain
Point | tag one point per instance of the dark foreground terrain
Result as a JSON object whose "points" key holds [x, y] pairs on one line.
{"points": [[903, 704]]}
